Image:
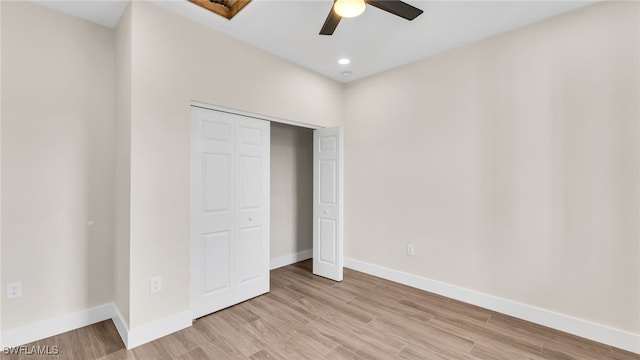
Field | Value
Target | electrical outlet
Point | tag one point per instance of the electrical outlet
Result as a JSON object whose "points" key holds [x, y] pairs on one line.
{"points": [[411, 250], [156, 284], [14, 290]]}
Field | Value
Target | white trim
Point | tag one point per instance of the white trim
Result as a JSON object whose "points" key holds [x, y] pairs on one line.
{"points": [[157, 329], [253, 115], [141, 335], [586, 329], [47, 328], [291, 259], [121, 325]]}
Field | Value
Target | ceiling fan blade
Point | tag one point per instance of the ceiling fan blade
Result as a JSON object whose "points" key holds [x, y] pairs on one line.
{"points": [[331, 23], [397, 7]]}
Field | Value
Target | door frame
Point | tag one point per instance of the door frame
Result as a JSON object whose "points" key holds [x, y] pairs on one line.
{"points": [[203, 105], [255, 116]]}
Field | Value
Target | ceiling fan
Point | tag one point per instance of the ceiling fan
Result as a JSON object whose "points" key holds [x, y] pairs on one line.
{"points": [[353, 8]]}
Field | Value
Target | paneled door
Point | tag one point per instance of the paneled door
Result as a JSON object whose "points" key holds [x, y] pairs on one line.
{"points": [[252, 207], [327, 203], [229, 209]]}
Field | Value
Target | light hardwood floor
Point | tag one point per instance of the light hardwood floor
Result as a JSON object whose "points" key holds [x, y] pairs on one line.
{"points": [[364, 317]]}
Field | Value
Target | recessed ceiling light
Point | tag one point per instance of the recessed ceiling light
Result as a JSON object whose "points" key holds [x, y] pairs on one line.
{"points": [[346, 73], [344, 61]]}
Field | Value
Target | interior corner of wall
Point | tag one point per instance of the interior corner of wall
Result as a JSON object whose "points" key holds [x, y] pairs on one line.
{"points": [[121, 324]]}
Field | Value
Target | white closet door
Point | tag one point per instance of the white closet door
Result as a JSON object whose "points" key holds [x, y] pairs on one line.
{"points": [[229, 209], [327, 203], [252, 216], [212, 210]]}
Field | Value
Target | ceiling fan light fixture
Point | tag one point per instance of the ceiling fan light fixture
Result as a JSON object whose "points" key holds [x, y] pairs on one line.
{"points": [[349, 8]]}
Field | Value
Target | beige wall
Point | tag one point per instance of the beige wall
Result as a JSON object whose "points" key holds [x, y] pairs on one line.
{"points": [[291, 189], [57, 162], [176, 61], [511, 164], [121, 200]]}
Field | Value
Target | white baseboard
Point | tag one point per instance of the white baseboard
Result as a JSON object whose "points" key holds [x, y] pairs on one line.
{"points": [[157, 329], [291, 259], [44, 329], [586, 329], [121, 325], [130, 338]]}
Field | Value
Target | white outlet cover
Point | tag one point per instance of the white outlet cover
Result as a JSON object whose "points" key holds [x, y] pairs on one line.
{"points": [[14, 290], [156, 284]]}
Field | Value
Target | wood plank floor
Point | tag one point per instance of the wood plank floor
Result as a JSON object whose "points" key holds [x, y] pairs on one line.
{"points": [[364, 317]]}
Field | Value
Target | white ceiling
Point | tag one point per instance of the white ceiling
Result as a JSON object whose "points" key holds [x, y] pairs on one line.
{"points": [[103, 12], [375, 41]]}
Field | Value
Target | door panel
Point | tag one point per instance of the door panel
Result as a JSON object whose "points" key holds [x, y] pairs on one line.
{"points": [[328, 177], [230, 209], [217, 257], [251, 247], [328, 241], [212, 209], [216, 180], [252, 217], [250, 176], [251, 137], [327, 203]]}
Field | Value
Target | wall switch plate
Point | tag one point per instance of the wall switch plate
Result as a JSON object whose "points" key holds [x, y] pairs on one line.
{"points": [[14, 290], [411, 250], [156, 284]]}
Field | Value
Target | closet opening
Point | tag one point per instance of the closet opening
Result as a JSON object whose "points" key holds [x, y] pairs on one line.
{"points": [[291, 196], [265, 193]]}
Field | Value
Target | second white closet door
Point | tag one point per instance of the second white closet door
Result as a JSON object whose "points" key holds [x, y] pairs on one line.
{"points": [[252, 207], [230, 209]]}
